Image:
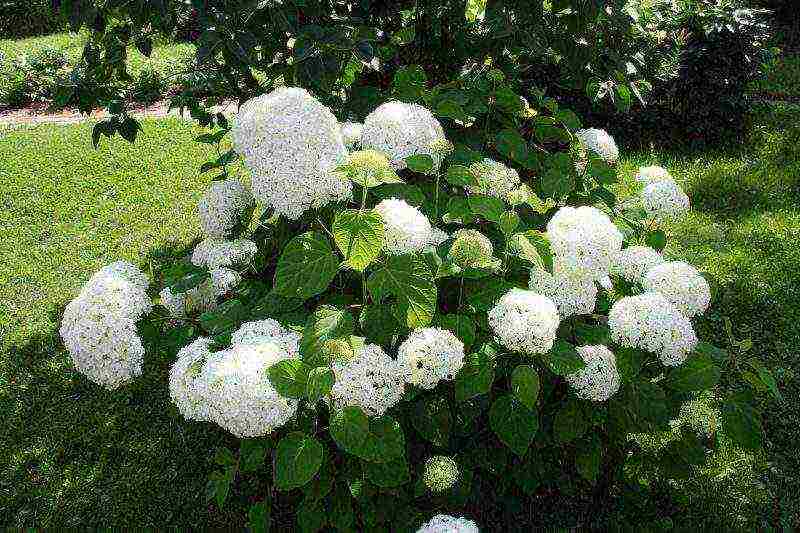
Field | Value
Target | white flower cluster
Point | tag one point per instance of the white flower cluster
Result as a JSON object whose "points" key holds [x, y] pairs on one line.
{"points": [[440, 473], [681, 284], [599, 379], [371, 380], [407, 229], [652, 174], [401, 130], [601, 143], [216, 253], [222, 206], [494, 178], [351, 133], [573, 295], [633, 262], [430, 355], [470, 248], [443, 523], [525, 321], [664, 199], [291, 143], [650, 322], [231, 387], [584, 241], [99, 325]]}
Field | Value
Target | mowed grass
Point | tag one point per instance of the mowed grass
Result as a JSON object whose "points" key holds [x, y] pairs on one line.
{"points": [[75, 454]]}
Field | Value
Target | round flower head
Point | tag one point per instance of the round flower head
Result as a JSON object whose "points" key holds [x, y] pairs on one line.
{"points": [[664, 199], [224, 280], [701, 416], [174, 303], [681, 284], [599, 379], [441, 473], [222, 206], [401, 130], [183, 384], [370, 167], [406, 228], [268, 330], [429, 355], [351, 133], [633, 262], [443, 523], [601, 143], [650, 322], [99, 325], [525, 321], [584, 241], [238, 392], [494, 178], [216, 253], [371, 380], [291, 144], [471, 249], [652, 174], [573, 295]]}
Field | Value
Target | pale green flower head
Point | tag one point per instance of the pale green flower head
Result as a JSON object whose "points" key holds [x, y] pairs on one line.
{"points": [[441, 473], [471, 249], [370, 168]]}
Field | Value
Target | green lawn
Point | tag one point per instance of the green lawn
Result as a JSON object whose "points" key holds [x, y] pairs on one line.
{"points": [[76, 455]]}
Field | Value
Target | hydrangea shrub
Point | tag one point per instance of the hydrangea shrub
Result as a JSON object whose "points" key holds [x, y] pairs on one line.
{"points": [[381, 308]]}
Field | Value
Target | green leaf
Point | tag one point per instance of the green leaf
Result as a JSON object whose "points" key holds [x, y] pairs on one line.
{"points": [[558, 177], [432, 419], [532, 247], [297, 459], [629, 363], [322, 483], [451, 109], [697, 373], [258, 517], [488, 207], [509, 221], [462, 327], [570, 422], [324, 324], [359, 236], [251, 454], [403, 191], [680, 455], [378, 440], [656, 239], [219, 485], [311, 516], [589, 458], [592, 335], [525, 385], [224, 457], [378, 324], [475, 377], [409, 83], [563, 359], [460, 176], [513, 423], [421, 163], [742, 424], [289, 377], [225, 318], [511, 144], [483, 294], [306, 266], [320, 382], [409, 280], [391, 474], [767, 378]]}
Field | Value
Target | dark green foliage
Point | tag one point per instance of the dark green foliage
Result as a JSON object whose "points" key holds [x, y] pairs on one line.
{"points": [[24, 18]]}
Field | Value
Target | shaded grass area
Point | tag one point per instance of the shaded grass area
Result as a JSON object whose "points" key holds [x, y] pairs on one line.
{"points": [[78, 455]]}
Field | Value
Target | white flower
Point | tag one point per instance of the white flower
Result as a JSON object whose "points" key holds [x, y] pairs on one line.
{"points": [[183, 384], [351, 132], [599, 379], [174, 303], [401, 130], [371, 380], [291, 143], [441, 473], [664, 199], [99, 325], [471, 248], [573, 295], [268, 329], [584, 241], [652, 174], [216, 253], [407, 229], [525, 321], [222, 206], [224, 280], [601, 143], [494, 178], [633, 262], [650, 322], [430, 355], [443, 523], [681, 284]]}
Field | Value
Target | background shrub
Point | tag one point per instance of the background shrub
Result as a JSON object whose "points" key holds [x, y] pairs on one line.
{"points": [[24, 18]]}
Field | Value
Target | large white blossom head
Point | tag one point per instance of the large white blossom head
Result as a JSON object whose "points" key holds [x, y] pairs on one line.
{"points": [[493, 178], [471, 249], [184, 388], [601, 143], [222, 206], [650, 322], [224, 280], [99, 325], [217, 253], [525, 321], [441, 473], [407, 229], [681, 284], [652, 174], [664, 199], [351, 132], [291, 143], [633, 262], [430, 355], [268, 329], [584, 241], [443, 523], [573, 295], [599, 379], [370, 380], [401, 130]]}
